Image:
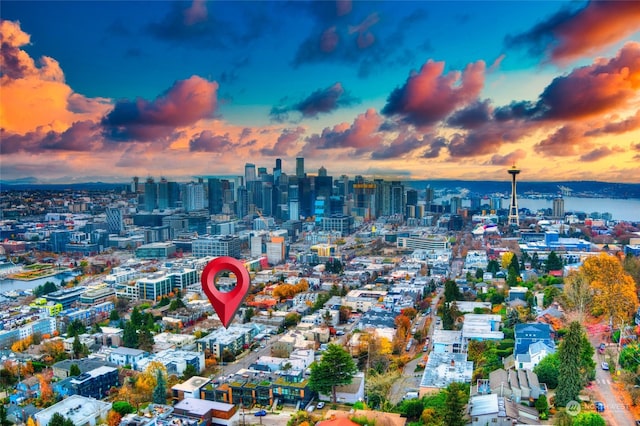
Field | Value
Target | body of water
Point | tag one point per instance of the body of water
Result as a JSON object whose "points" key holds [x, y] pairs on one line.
{"points": [[18, 285], [621, 209]]}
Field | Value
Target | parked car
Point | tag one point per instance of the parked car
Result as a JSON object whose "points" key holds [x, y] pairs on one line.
{"points": [[599, 406], [311, 408], [605, 366], [320, 405], [260, 413], [602, 347]]}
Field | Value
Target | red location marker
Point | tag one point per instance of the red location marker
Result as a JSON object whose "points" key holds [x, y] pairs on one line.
{"points": [[225, 304]]}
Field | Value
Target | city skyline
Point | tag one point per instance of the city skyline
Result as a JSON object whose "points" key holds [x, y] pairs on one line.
{"points": [[102, 91]]}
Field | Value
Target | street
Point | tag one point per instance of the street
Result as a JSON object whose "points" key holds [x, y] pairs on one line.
{"points": [[615, 412]]}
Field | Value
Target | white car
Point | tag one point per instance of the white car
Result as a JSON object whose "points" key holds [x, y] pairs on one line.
{"points": [[605, 366], [320, 405]]}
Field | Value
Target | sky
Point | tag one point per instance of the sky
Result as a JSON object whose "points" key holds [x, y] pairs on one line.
{"points": [[104, 91]]}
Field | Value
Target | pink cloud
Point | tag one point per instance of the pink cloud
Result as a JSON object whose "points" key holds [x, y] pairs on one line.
{"points": [[185, 103], [329, 40], [430, 95], [196, 13], [362, 135], [600, 152], [566, 141], [508, 159], [286, 141]]}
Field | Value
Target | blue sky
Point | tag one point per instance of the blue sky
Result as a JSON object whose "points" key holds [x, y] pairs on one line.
{"points": [[377, 88]]}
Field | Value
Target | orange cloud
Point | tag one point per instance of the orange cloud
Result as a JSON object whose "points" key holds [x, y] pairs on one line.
{"points": [[35, 96]]}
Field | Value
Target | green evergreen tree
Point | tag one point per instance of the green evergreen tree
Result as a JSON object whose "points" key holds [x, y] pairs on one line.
{"points": [[130, 335], [553, 262], [479, 273], [336, 367], [535, 261], [493, 266], [189, 372], [587, 364], [136, 318], [514, 264], [114, 316], [59, 420], [74, 370], [586, 418], [451, 291], [145, 340], [77, 347], [541, 404], [3, 416], [75, 328], [456, 399], [160, 391], [569, 375]]}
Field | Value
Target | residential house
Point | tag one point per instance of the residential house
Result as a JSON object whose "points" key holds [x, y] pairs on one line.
{"points": [[447, 341], [481, 327], [122, 356], [61, 368], [443, 369], [189, 389], [95, 383], [492, 409], [529, 333], [208, 412], [26, 389], [536, 353], [175, 360], [348, 394], [518, 385]]}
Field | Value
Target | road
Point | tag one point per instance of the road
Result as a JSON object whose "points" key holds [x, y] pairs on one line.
{"points": [[616, 413]]}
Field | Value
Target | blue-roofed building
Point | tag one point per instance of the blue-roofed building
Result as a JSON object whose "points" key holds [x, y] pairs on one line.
{"points": [[527, 334]]}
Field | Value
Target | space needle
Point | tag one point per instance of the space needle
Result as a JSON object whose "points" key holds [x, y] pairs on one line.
{"points": [[514, 219]]}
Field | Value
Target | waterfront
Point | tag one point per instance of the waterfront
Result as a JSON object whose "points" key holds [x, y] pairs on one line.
{"points": [[620, 208], [20, 285]]}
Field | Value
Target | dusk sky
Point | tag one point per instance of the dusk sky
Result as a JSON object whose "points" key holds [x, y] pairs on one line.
{"points": [[412, 90]]}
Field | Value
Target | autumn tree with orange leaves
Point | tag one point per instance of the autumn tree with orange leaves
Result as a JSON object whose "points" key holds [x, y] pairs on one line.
{"points": [[287, 291], [614, 291]]}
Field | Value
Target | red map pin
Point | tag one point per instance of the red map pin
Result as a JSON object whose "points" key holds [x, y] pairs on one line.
{"points": [[225, 304]]}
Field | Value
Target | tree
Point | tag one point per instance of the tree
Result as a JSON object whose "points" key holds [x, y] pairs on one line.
{"points": [[77, 347], [130, 335], [75, 328], [248, 314], [292, 319], [629, 357], [59, 420], [113, 418], [614, 291], [160, 391], [456, 399], [553, 262], [145, 340], [3, 416], [587, 364], [506, 260], [493, 266], [74, 370], [114, 316], [588, 418], [336, 367], [535, 261], [569, 375], [577, 293], [479, 273], [136, 318], [451, 291], [123, 408], [547, 370], [541, 404], [514, 264], [189, 372]]}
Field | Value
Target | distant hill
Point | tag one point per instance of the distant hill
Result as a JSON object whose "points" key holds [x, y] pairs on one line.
{"points": [[31, 184]]}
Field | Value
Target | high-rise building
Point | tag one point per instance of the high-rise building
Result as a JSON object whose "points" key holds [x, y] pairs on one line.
{"points": [[135, 184], [429, 195], [455, 205], [300, 167], [163, 194], [193, 196], [216, 199], [322, 171], [514, 218], [249, 173], [115, 219], [412, 197], [558, 207], [150, 195], [242, 202]]}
